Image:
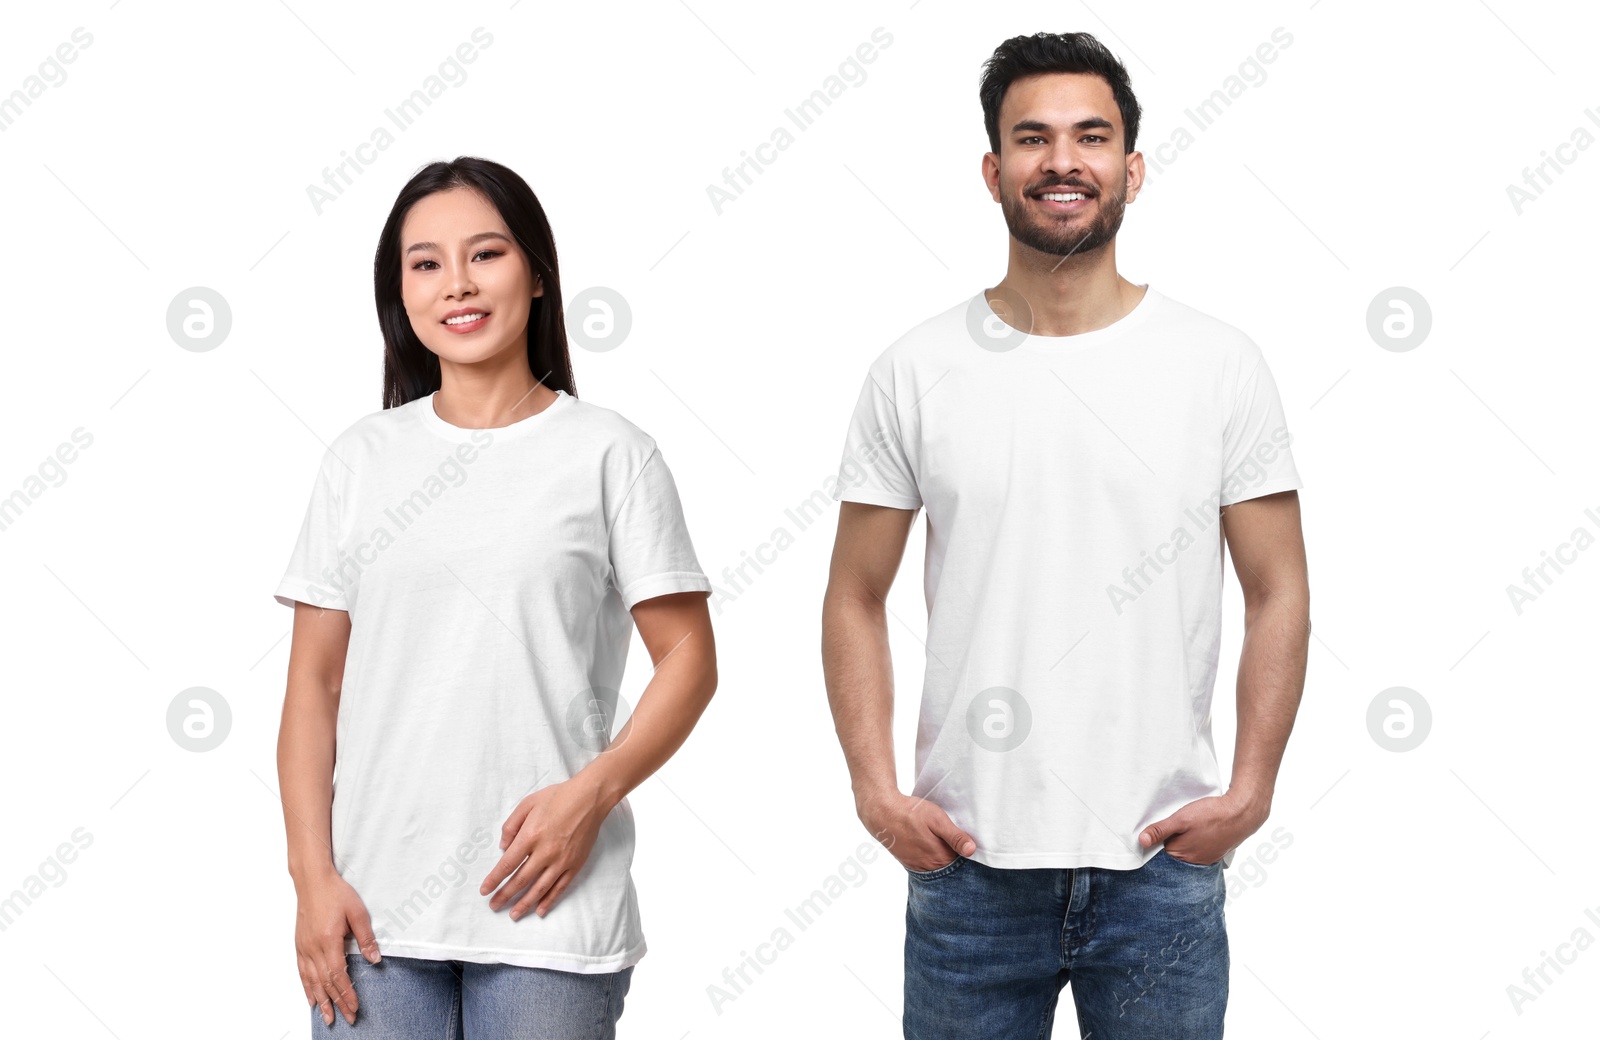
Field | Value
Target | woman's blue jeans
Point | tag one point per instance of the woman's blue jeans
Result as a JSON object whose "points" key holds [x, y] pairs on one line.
{"points": [[410, 998], [988, 951]]}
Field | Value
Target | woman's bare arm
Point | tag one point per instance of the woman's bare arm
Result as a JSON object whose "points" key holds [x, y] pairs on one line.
{"points": [[328, 908], [306, 736]]}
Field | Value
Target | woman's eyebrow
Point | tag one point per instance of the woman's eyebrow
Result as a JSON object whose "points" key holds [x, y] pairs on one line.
{"points": [[475, 238]]}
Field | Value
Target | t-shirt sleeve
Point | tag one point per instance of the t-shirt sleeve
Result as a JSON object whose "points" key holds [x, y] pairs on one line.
{"points": [[1256, 456], [876, 468], [651, 553], [312, 575]]}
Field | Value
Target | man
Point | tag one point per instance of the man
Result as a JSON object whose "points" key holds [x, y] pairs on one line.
{"points": [[1082, 446]]}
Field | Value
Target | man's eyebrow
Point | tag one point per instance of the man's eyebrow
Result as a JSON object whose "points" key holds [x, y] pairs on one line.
{"points": [[1092, 123], [480, 236]]}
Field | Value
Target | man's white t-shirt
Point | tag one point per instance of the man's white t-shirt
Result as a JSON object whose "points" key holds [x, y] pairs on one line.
{"points": [[489, 576], [1073, 570]]}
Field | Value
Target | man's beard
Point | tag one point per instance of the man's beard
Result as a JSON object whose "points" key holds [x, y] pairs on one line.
{"points": [[1061, 236]]}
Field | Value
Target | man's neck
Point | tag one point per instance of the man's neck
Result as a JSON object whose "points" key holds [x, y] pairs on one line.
{"points": [[1064, 297]]}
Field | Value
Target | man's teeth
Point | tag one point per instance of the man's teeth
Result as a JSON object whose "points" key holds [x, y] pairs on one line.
{"points": [[464, 319], [1070, 196]]}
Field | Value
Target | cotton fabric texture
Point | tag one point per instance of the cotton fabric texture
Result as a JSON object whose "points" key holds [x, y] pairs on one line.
{"points": [[489, 576], [1073, 569]]}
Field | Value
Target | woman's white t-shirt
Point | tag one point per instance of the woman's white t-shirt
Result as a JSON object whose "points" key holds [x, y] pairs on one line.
{"points": [[489, 576]]}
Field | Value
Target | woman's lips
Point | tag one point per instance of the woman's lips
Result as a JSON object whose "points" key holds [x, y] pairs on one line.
{"points": [[464, 327]]}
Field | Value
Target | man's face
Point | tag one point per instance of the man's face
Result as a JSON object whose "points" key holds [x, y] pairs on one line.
{"points": [[1062, 133]]}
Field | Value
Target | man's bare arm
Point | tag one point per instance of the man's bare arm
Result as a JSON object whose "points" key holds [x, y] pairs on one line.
{"points": [[1269, 556], [1263, 536], [856, 667], [859, 675]]}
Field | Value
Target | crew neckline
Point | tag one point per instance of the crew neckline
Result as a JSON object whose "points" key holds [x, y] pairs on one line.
{"points": [[521, 428], [1094, 337]]}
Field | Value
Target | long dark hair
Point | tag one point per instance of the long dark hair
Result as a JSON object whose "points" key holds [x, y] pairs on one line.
{"points": [[1054, 52], [411, 370]]}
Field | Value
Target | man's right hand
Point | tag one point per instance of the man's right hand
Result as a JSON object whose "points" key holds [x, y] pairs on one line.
{"points": [[329, 910], [916, 831]]}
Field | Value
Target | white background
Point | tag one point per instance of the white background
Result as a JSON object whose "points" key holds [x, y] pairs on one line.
{"points": [[1376, 153]]}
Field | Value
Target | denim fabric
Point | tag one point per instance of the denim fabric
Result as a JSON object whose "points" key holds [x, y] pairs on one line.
{"points": [[1145, 951], [411, 998]]}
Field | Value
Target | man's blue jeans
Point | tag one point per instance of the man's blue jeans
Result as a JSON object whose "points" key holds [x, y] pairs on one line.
{"points": [[988, 951]]}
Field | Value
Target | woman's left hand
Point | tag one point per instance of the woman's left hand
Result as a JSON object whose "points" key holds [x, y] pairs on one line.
{"points": [[547, 839]]}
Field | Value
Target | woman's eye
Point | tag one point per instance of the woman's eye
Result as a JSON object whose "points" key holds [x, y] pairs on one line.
{"points": [[482, 252]]}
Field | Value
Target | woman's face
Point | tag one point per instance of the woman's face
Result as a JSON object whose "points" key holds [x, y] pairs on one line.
{"points": [[458, 256]]}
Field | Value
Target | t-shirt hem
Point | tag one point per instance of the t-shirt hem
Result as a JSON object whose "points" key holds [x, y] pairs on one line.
{"points": [[877, 498], [291, 590], [1111, 860], [1270, 487], [664, 584], [573, 962]]}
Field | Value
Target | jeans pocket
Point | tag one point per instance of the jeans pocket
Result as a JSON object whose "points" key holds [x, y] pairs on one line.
{"points": [[1191, 866], [936, 872]]}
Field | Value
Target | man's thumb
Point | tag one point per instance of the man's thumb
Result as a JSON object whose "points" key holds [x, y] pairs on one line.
{"points": [[361, 928], [1156, 833], [957, 838]]}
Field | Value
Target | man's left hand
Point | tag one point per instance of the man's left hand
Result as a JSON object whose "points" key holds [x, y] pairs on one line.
{"points": [[1204, 830]]}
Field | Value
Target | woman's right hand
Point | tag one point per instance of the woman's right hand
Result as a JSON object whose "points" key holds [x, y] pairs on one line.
{"points": [[329, 909]]}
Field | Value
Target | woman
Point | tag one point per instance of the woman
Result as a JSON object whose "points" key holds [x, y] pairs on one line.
{"points": [[462, 589]]}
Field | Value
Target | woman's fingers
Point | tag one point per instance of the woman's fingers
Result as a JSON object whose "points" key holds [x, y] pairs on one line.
{"points": [[555, 893], [507, 865], [527, 874], [543, 884], [361, 928]]}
